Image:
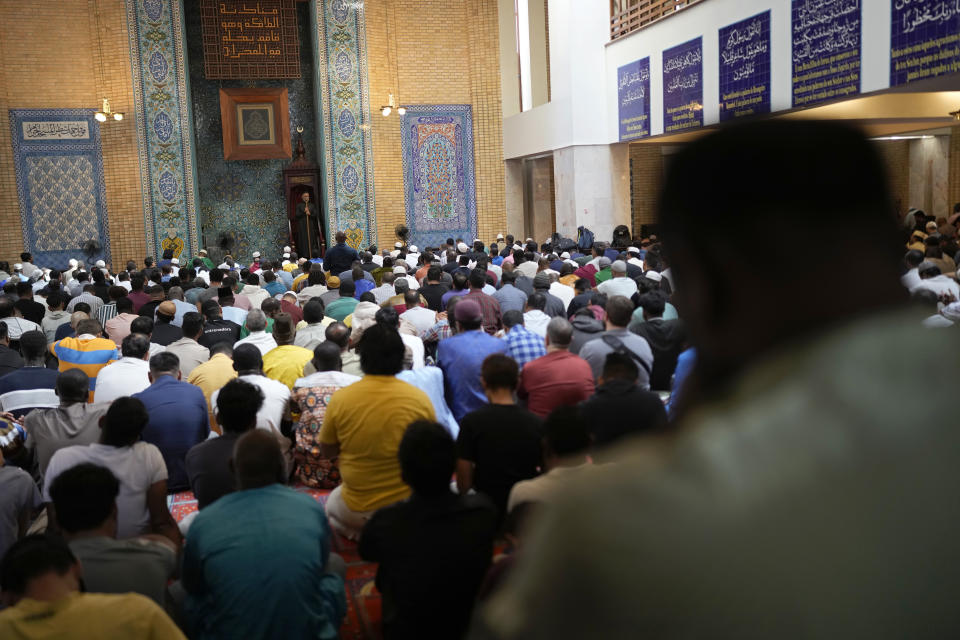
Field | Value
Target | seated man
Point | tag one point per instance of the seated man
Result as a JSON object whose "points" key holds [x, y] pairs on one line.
{"points": [[178, 417], [312, 334], [667, 338], [56, 315], [559, 378], [523, 345], [74, 422], [344, 305], [10, 359], [41, 582], [434, 549], [461, 356], [31, 386], [164, 331], [256, 324], [621, 407], [208, 463], [144, 325], [212, 375], [566, 445], [190, 352], [618, 338], [142, 502], [216, 329], [274, 413], [420, 317], [499, 444], [85, 501], [311, 394], [128, 375], [285, 362], [19, 499], [363, 427], [89, 351], [9, 315], [257, 563], [118, 327]]}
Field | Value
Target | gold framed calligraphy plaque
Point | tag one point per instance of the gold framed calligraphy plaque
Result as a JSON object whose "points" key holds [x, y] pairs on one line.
{"points": [[256, 123], [250, 39]]}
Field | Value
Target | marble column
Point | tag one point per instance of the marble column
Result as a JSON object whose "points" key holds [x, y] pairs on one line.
{"points": [[513, 175]]}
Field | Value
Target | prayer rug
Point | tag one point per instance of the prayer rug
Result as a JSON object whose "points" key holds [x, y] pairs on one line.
{"points": [[439, 185], [363, 618]]}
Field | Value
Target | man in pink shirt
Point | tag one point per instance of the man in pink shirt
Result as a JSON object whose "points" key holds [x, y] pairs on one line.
{"points": [[118, 327]]}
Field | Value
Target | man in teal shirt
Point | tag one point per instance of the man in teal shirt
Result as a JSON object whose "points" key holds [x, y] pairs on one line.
{"points": [[344, 305], [257, 563]]}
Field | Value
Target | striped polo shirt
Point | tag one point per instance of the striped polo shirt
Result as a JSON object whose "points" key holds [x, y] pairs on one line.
{"points": [[87, 353]]}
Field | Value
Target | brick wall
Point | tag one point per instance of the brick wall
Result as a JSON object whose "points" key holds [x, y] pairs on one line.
{"points": [[435, 52], [51, 60], [646, 173]]}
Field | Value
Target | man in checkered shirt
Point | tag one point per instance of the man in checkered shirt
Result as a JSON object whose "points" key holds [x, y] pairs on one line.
{"points": [[522, 345]]}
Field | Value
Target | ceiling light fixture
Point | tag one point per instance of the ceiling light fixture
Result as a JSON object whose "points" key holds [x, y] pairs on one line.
{"points": [[388, 108], [391, 105], [955, 114], [105, 113]]}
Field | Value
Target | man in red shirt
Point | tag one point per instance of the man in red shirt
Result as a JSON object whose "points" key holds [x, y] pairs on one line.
{"points": [[489, 306], [559, 378]]}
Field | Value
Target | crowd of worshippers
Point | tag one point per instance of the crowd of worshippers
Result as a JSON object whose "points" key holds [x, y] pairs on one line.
{"points": [[930, 265], [444, 397], [448, 386]]}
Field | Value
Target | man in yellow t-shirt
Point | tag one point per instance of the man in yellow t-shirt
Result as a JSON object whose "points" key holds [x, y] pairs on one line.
{"points": [[41, 582], [213, 374], [285, 361], [363, 426]]}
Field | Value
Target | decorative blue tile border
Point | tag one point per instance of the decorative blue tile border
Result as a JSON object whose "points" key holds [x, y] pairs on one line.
{"points": [[59, 170], [439, 184], [345, 105], [164, 130]]}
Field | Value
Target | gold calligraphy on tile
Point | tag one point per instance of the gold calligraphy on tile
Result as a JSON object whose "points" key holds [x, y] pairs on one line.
{"points": [[250, 39]]}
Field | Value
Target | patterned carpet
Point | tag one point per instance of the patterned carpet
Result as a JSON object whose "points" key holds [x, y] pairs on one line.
{"points": [[363, 617]]}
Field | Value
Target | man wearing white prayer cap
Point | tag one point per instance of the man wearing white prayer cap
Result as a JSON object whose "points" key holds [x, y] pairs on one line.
{"points": [[634, 258]]}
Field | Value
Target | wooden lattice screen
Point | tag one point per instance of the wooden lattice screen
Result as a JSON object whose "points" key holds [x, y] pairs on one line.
{"points": [[626, 16]]}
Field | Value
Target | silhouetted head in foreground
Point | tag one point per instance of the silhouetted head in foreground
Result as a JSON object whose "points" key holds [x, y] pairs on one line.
{"points": [[759, 221]]}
